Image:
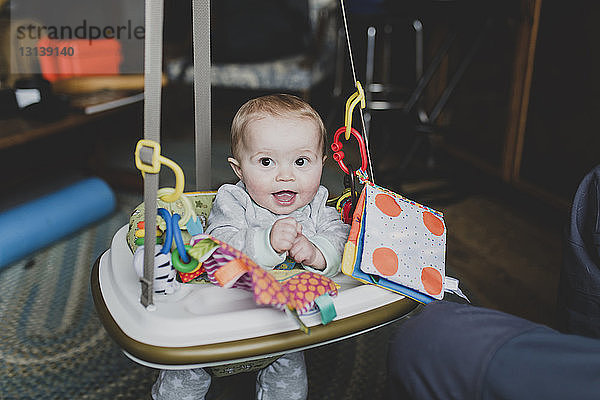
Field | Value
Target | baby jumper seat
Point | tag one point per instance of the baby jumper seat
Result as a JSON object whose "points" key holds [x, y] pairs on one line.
{"points": [[202, 324]]}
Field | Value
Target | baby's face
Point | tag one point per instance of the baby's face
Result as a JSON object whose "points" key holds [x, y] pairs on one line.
{"points": [[280, 163]]}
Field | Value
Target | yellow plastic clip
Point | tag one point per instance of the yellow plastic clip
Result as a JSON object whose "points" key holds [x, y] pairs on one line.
{"points": [[352, 101], [154, 167]]}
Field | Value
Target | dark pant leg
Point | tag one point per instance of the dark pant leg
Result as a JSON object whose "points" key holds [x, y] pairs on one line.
{"points": [[457, 351], [545, 364], [443, 352]]}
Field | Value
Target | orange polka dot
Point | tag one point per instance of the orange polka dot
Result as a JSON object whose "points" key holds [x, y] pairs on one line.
{"points": [[304, 281], [281, 298], [302, 287], [321, 289], [292, 287], [432, 280], [309, 296], [300, 295], [387, 205], [294, 281], [262, 283], [313, 281], [311, 288], [385, 260], [433, 223], [265, 298]]}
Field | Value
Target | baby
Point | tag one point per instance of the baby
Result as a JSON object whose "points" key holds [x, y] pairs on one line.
{"points": [[275, 212]]}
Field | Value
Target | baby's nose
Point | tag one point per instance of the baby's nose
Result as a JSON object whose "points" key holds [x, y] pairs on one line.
{"points": [[285, 173]]}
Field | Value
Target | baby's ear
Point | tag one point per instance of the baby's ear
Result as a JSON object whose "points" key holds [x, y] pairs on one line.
{"points": [[235, 166]]}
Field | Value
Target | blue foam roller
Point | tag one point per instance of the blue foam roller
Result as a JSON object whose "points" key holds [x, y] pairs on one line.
{"points": [[38, 223]]}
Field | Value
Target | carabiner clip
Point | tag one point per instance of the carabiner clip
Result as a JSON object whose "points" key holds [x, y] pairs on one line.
{"points": [[358, 96], [338, 154]]}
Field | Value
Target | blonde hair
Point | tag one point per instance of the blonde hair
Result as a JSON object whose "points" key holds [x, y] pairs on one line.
{"points": [[274, 105]]}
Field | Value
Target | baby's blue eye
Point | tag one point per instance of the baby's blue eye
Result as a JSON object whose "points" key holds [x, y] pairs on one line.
{"points": [[265, 162], [301, 162]]}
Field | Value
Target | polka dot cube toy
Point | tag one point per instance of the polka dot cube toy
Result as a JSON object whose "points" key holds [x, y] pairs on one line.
{"points": [[398, 244]]}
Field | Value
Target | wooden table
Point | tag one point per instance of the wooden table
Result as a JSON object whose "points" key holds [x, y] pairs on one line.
{"points": [[35, 149]]}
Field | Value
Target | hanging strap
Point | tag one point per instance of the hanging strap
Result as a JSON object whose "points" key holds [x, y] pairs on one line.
{"points": [[152, 116], [357, 85], [152, 95], [202, 106]]}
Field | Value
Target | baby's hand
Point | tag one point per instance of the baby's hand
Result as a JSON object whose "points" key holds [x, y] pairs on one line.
{"points": [[304, 252], [283, 234]]}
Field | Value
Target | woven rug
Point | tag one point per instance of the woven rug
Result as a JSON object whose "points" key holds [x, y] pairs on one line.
{"points": [[53, 346]]}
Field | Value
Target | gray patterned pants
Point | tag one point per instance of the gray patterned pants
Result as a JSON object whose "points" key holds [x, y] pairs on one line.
{"points": [[284, 379]]}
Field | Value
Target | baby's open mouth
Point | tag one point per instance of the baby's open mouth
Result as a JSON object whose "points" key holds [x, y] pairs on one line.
{"points": [[284, 197]]}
